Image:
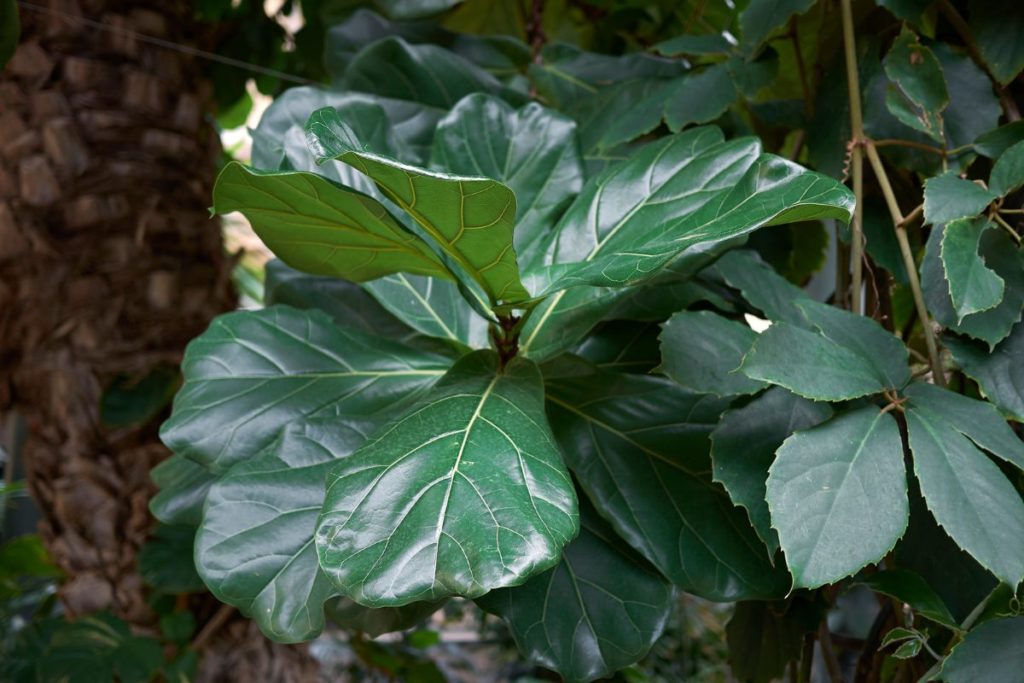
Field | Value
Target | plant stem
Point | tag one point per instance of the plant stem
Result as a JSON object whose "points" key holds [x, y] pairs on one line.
{"points": [[856, 157], [900, 224], [806, 659], [909, 143], [1006, 226], [828, 654], [212, 626]]}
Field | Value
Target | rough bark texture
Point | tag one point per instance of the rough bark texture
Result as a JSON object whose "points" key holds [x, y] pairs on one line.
{"points": [[109, 265]]}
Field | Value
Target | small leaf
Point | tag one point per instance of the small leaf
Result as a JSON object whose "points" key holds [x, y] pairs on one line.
{"points": [[135, 401], [973, 287], [1008, 172], [600, 609], [699, 97], [165, 560], [284, 365], [899, 634], [925, 120], [99, 647], [948, 197], [999, 374], [841, 480], [968, 495], [743, 447], [990, 652], [909, 649], [622, 346], [701, 351], [910, 588], [485, 499], [470, 219]]}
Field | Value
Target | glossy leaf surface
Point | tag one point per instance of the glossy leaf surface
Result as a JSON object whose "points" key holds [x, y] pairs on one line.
{"points": [[485, 500], [183, 487], [430, 306]]}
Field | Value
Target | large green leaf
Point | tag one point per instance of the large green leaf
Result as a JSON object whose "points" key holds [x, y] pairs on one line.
{"points": [[254, 372], [698, 97], [994, 142], [972, 286], [743, 447], [600, 609], [968, 495], [838, 495], [977, 420], [463, 492], [533, 150], [997, 28], [990, 652], [702, 350], [948, 197], [910, 588], [183, 487], [470, 219], [255, 549], [1000, 374], [761, 18], [322, 228], [639, 447], [1008, 172], [1003, 257], [431, 306]]}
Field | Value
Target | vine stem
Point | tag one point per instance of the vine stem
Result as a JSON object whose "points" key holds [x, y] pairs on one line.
{"points": [[900, 224], [856, 160]]}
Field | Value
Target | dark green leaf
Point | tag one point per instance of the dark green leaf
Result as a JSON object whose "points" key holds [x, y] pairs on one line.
{"points": [[761, 286], [710, 44], [100, 648], [743, 447], [948, 197], [183, 487], [26, 556], [702, 350], [165, 560], [639, 447], [990, 652], [283, 365], [470, 219], [486, 501], [764, 637], [657, 302], [907, 10], [622, 346], [968, 495], [1000, 374], [910, 588], [996, 141], [600, 609], [898, 634], [134, 401], [10, 30], [562, 320], [918, 75], [699, 97], [977, 420], [255, 546], [909, 649], [841, 480], [355, 618], [997, 28], [178, 627], [1008, 173], [762, 18], [973, 287], [432, 307]]}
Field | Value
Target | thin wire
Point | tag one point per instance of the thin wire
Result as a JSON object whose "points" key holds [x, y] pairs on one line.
{"points": [[167, 44]]}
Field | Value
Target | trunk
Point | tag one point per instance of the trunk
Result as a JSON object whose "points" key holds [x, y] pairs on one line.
{"points": [[109, 264]]}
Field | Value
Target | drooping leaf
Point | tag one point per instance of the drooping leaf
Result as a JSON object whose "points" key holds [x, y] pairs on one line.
{"points": [[997, 28], [764, 637], [968, 495], [485, 501], [183, 487], [948, 197], [743, 447], [762, 18], [977, 420], [355, 618], [910, 588], [165, 560], [1008, 172], [699, 97], [322, 228], [283, 365], [701, 352], [430, 306], [973, 287], [639, 447], [470, 219], [918, 76], [255, 549], [1002, 256], [990, 652], [999, 373], [533, 150], [600, 609], [840, 480]]}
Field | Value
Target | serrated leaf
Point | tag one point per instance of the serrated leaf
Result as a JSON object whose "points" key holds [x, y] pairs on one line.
{"points": [[1000, 374], [977, 420], [908, 650], [183, 487], [761, 18], [701, 352], [255, 549], [910, 588], [997, 28], [470, 219], [282, 365], [1008, 172], [1004, 258], [990, 652], [925, 120], [533, 150], [973, 287], [600, 609], [764, 637], [699, 97], [430, 306], [322, 228], [968, 495], [562, 320], [760, 285], [948, 197], [743, 447], [165, 560], [355, 618], [920, 82], [841, 480], [485, 499], [898, 634], [639, 447]]}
